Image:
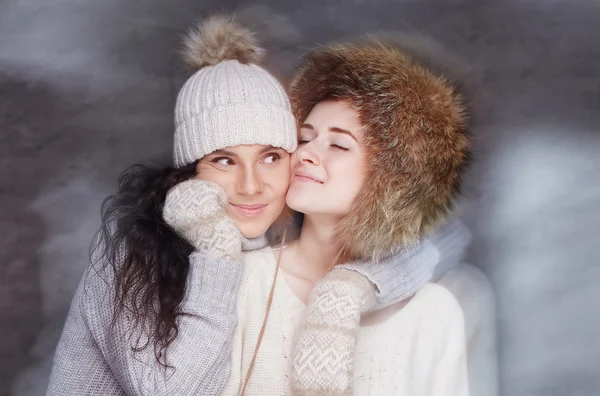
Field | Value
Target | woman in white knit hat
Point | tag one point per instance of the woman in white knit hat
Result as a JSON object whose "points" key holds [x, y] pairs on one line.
{"points": [[383, 146], [155, 313]]}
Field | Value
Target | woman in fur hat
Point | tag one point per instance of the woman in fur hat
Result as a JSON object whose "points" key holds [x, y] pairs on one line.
{"points": [[155, 312], [383, 147]]}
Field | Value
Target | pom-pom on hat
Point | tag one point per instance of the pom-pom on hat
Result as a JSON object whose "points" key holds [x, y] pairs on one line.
{"points": [[229, 100]]}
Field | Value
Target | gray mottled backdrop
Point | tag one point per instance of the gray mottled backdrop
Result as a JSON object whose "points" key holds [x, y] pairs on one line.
{"points": [[88, 87]]}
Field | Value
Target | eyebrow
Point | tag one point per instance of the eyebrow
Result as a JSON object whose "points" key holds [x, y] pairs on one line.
{"points": [[232, 154], [269, 148], [332, 129], [224, 152]]}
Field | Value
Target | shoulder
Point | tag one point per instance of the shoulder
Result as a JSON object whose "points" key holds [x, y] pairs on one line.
{"points": [[98, 280], [470, 288], [465, 282], [95, 294], [463, 299]]}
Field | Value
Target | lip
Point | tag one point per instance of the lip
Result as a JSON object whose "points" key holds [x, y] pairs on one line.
{"points": [[306, 177], [249, 210]]}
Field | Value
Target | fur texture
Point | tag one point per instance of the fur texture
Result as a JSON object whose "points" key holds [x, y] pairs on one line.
{"points": [[415, 132], [217, 39]]}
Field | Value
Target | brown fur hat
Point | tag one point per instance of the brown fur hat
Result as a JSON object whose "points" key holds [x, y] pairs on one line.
{"points": [[415, 132]]}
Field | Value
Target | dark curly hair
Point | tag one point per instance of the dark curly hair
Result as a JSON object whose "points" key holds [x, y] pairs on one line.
{"points": [[149, 260]]}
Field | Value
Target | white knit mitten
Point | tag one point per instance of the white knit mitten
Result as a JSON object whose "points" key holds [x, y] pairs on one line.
{"points": [[196, 210], [323, 357]]}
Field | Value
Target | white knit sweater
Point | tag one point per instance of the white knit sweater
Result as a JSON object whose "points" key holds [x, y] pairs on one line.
{"points": [[441, 343]]}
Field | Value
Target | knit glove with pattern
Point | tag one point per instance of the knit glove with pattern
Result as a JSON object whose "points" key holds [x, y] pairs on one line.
{"points": [[323, 359], [324, 352], [196, 210]]}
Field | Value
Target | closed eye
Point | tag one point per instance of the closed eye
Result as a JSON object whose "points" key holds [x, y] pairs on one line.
{"points": [[338, 147]]}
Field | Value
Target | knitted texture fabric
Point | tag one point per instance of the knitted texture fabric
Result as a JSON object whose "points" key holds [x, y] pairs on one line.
{"points": [[229, 100], [229, 105], [396, 275], [324, 351], [200, 354], [417, 349], [195, 209], [254, 243], [96, 358]]}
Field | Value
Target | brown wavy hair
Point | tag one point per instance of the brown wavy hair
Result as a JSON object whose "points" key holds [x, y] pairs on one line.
{"points": [[149, 260]]}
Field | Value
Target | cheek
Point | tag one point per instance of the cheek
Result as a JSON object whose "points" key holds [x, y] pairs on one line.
{"points": [[347, 178], [225, 180], [279, 178], [358, 175], [293, 160]]}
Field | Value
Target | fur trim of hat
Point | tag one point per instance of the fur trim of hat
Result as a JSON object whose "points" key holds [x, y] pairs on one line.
{"points": [[219, 38], [415, 132]]}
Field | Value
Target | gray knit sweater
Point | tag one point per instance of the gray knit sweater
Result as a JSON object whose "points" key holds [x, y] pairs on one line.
{"points": [[93, 358]]}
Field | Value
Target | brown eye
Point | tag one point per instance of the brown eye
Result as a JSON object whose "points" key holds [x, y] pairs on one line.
{"points": [[222, 161], [271, 158]]}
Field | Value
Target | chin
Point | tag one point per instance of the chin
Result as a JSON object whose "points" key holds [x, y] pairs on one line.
{"points": [[250, 232], [297, 200], [298, 205], [253, 228], [332, 206]]}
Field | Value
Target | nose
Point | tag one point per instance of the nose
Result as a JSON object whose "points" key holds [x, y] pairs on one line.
{"points": [[250, 182], [307, 154]]}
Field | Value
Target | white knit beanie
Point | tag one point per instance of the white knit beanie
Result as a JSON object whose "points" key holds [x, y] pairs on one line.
{"points": [[229, 101]]}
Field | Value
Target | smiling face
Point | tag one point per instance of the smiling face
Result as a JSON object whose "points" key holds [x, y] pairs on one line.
{"points": [[329, 166], [255, 178]]}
